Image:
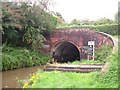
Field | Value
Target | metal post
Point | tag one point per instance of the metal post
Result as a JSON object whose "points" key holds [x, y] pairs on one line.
{"points": [[92, 45]]}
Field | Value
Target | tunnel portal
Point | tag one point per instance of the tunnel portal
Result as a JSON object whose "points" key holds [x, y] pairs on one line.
{"points": [[66, 52], [68, 44]]}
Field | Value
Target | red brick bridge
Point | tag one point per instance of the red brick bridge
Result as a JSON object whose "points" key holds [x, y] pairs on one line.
{"points": [[67, 44]]}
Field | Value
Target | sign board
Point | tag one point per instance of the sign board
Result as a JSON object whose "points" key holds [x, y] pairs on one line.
{"points": [[90, 42], [87, 48], [91, 52], [90, 49]]}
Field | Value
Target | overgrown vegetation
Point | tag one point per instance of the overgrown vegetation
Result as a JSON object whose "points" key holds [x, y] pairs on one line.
{"points": [[26, 24], [15, 57], [110, 79], [103, 52], [56, 79]]}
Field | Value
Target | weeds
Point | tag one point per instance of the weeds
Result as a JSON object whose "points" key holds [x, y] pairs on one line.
{"points": [[21, 57], [102, 53]]}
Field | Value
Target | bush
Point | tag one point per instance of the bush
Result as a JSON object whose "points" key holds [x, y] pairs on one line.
{"points": [[25, 24], [21, 57], [109, 29], [103, 52], [110, 79]]}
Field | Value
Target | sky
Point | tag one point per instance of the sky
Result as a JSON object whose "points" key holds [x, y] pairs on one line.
{"points": [[85, 9]]}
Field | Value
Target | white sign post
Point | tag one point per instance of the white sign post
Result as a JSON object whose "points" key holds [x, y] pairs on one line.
{"points": [[92, 45]]}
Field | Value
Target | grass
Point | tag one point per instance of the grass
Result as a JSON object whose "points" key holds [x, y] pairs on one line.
{"points": [[85, 62], [116, 36], [91, 62], [57, 79]]}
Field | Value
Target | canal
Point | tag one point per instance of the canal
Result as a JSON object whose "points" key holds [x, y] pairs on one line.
{"points": [[9, 77]]}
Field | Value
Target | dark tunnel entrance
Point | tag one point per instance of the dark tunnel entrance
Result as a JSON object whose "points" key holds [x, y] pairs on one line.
{"points": [[66, 51]]}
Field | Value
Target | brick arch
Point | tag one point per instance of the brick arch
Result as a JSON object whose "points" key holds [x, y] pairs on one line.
{"points": [[70, 49], [78, 37], [62, 40]]}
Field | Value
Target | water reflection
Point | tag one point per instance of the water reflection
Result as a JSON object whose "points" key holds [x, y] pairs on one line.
{"points": [[9, 77]]}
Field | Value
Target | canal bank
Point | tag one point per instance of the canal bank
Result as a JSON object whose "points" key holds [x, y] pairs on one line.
{"points": [[9, 77]]}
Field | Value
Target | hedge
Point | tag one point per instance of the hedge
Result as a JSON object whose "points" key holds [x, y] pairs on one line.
{"points": [[111, 29]]}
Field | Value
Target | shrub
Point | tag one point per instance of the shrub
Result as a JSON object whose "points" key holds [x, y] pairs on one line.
{"points": [[21, 57], [103, 52], [110, 78], [109, 29], [26, 25]]}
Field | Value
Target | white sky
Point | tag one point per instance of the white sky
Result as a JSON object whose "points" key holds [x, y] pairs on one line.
{"points": [[86, 9]]}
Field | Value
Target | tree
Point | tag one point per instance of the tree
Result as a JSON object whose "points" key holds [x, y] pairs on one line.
{"points": [[26, 22], [75, 22], [85, 22], [103, 21], [60, 19], [81, 22], [10, 23]]}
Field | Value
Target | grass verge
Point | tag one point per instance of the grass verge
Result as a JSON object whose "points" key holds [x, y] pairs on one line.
{"points": [[57, 79]]}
